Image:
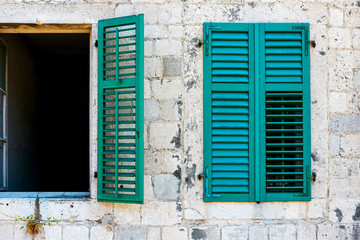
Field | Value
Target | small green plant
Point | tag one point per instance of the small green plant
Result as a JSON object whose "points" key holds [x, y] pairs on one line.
{"points": [[34, 225]]}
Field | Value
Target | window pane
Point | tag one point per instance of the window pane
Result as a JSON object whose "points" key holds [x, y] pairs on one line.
{"points": [[2, 66]]}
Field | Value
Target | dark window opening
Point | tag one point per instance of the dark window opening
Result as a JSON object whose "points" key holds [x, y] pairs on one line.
{"points": [[48, 112]]}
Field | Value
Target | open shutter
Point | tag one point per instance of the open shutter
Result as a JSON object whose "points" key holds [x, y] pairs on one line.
{"points": [[228, 112], [3, 119], [285, 112], [121, 108]]}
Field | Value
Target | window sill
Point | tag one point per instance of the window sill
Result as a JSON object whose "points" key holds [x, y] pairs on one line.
{"points": [[62, 195]]}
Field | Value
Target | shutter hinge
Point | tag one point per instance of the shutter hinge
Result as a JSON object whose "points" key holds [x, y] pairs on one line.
{"points": [[137, 132], [307, 42], [207, 35], [96, 43], [95, 174], [207, 194]]}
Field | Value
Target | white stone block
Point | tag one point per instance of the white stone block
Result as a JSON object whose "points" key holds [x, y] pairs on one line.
{"points": [[339, 38], [153, 234], [127, 214], [147, 89], [167, 187], [336, 17], [148, 188], [148, 48], [168, 47], [258, 232], [151, 110], [352, 17], [153, 67], [349, 145], [7, 232], [356, 38], [159, 213], [282, 232], [155, 31], [338, 102], [306, 232], [178, 233], [166, 90], [76, 232], [101, 233], [53, 232], [176, 31], [165, 135], [235, 232], [171, 110], [344, 167]]}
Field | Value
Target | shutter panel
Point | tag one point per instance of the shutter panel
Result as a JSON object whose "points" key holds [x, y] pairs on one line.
{"points": [[121, 108], [285, 93], [228, 111]]}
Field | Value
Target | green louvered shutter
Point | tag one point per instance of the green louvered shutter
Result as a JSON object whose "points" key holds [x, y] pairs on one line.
{"points": [[121, 108], [285, 112], [228, 112]]}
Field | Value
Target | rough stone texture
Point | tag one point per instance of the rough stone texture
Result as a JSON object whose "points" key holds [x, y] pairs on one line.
{"points": [[339, 38], [52, 232], [151, 110], [258, 232], [349, 145], [336, 17], [334, 145], [153, 234], [306, 232], [7, 231], [234, 232], [101, 233], [165, 89], [167, 187], [202, 233], [338, 102], [127, 214], [76, 232], [282, 232], [162, 213], [172, 66], [345, 123], [165, 135], [179, 233], [171, 110], [130, 232]]}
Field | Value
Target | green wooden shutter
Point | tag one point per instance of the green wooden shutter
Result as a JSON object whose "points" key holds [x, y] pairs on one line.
{"points": [[285, 112], [228, 112], [121, 110], [256, 112]]}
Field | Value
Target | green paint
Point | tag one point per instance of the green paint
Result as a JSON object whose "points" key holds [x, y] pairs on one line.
{"points": [[270, 63], [114, 155]]}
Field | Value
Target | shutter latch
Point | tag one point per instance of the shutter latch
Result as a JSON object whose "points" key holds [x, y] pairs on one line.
{"points": [[207, 33]]}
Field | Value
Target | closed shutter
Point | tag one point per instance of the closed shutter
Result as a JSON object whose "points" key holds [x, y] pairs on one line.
{"points": [[228, 111], [121, 108], [286, 96], [256, 112]]}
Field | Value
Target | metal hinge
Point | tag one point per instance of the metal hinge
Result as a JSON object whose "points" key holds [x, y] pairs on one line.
{"points": [[307, 42], [96, 43], [207, 35]]}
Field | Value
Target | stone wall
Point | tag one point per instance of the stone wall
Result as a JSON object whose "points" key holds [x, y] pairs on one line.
{"points": [[173, 207]]}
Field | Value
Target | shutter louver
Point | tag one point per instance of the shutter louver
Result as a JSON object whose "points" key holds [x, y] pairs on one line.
{"points": [[121, 60], [228, 95]]}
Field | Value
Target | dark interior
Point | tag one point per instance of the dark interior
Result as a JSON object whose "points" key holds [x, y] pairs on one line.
{"points": [[51, 153]]}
